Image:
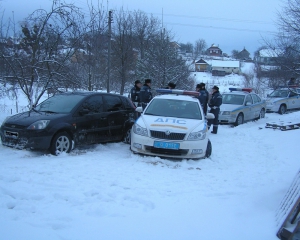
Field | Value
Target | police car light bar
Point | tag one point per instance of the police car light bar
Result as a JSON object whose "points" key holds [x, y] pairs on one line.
{"points": [[249, 90], [176, 91]]}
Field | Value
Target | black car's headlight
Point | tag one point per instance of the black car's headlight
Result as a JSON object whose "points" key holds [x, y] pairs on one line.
{"points": [[137, 129], [38, 125]]}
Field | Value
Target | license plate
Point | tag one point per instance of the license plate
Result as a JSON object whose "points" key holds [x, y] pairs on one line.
{"points": [[167, 145]]}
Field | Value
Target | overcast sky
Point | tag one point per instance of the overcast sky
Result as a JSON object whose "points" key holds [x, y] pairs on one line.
{"points": [[231, 24]]}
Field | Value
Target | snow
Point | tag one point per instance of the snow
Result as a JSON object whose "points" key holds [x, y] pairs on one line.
{"points": [[106, 192]]}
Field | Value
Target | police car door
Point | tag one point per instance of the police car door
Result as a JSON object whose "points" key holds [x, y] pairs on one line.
{"points": [[249, 111], [257, 105], [294, 100]]}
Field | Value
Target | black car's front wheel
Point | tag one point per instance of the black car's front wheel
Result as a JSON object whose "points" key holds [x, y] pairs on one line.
{"points": [[62, 142], [127, 136]]}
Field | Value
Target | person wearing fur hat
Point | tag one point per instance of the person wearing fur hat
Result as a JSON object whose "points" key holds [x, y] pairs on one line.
{"points": [[171, 85], [135, 92], [214, 104], [145, 93]]}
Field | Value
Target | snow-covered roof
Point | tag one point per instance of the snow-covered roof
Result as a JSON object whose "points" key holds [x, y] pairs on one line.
{"points": [[219, 63], [270, 52]]}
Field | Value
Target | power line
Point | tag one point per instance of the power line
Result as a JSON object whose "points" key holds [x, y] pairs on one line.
{"points": [[224, 28], [216, 19]]}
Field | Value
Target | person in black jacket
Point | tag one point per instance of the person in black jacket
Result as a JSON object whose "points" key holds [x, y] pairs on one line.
{"points": [[171, 85], [145, 93], [203, 96], [214, 104], [135, 92]]}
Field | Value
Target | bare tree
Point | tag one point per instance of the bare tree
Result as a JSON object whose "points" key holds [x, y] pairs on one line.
{"points": [[199, 48], [124, 54], [145, 28], [48, 42], [163, 65], [286, 44]]}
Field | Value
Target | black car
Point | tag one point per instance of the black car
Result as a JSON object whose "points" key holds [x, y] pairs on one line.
{"points": [[70, 119]]}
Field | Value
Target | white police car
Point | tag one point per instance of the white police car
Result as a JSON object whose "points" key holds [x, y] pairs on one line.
{"points": [[241, 105], [172, 126], [283, 99]]}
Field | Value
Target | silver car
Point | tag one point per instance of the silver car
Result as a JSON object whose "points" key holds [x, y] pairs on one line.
{"points": [[283, 99], [241, 105]]}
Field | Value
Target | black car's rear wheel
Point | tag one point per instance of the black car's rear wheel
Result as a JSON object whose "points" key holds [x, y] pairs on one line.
{"points": [[62, 142]]}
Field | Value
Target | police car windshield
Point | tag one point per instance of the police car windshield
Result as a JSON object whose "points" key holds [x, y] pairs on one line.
{"points": [[174, 108], [234, 99], [279, 93]]}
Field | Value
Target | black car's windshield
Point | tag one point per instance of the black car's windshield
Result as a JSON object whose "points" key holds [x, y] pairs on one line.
{"points": [[174, 108], [59, 103], [234, 99], [279, 93]]}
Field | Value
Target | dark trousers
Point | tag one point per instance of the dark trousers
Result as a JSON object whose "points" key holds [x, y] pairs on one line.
{"points": [[215, 121]]}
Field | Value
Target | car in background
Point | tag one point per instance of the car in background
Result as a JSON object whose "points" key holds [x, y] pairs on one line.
{"points": [[172, 126], [66, 120], [241, 105], [282, 100]]}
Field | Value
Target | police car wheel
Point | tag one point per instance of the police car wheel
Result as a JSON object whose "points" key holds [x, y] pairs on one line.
{"points": [[208, 149], [262, 114], [239, 120], [282, 109]]}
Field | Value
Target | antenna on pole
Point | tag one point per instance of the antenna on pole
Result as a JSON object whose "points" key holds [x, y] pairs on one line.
{"points": [[162, 18]]}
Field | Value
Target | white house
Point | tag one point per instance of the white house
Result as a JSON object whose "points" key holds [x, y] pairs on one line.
{"points": [[219, 67]]}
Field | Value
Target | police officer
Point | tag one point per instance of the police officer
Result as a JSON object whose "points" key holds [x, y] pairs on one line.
{"points": [[171, 85], [203, 96], [145, 93], [214, 104], [135, 92]]}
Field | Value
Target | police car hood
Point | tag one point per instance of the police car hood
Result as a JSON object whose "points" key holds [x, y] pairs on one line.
{"points": [[230, 107], [172, 124]]}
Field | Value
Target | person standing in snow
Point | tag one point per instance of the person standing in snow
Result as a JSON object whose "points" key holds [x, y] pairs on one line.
{"points": [[203, 96], [145, 93], [214, 104], [135, 92]]}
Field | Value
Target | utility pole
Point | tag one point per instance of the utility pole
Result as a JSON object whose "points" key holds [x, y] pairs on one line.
{"points": [[109, 49]]}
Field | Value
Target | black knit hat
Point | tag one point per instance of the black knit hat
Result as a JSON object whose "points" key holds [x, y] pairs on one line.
{"points": [[148, 80], [171, 85], [198, 86], [137, 81], [216, 88]]}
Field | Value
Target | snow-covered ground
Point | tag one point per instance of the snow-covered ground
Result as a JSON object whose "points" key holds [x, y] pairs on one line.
{"points": [[106, 192]]}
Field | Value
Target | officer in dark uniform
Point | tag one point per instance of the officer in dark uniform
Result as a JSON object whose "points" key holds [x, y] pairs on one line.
{"points": [[214, 104], [171, 85], [203, 96], [135, 92], [145, 93]]}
